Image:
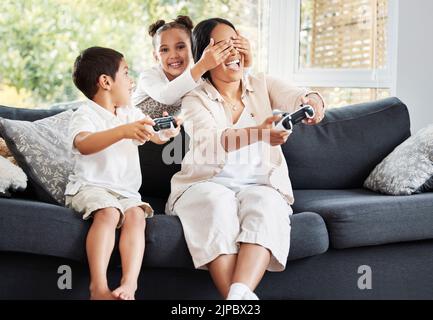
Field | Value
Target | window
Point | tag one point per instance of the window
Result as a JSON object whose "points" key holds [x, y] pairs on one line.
{"points": [[343, 48], [343, 34], [40, 39]]}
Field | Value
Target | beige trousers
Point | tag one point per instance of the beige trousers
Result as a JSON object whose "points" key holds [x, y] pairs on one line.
{"points": [[89, 199], [216, 219]]}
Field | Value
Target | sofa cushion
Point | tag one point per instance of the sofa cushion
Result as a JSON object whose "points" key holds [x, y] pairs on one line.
{"points": [[41, 150], [360, 217], [344, 148], [46, 229], [24, 114], [408, 169], [41, 228]]}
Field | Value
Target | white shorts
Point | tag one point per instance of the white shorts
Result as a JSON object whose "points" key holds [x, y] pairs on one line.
{"points": [[90, 199], [216, 219]]}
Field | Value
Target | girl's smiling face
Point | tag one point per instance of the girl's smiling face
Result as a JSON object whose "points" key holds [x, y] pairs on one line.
{"points": [[173, 52]]}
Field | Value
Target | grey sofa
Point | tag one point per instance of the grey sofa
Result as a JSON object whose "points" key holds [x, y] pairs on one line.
{"points": [[337, 227]]}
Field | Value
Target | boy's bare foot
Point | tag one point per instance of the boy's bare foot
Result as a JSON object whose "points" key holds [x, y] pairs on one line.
{"points": [[126, 291], [101, 294]]}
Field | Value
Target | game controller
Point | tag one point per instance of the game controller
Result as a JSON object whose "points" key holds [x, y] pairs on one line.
{"points": [[290, 119], [161, 124], [164, 123]]}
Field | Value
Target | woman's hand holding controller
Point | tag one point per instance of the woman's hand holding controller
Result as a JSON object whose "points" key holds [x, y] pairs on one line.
{"points": [[319, 110], [269, 134]]}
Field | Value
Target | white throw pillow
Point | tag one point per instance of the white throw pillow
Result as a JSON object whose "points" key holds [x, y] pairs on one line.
{"points": [[12, 177]]}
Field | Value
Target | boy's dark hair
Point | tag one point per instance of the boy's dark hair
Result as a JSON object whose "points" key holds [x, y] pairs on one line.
{"points": [[201, 37], [91, 64], [181, 22]]}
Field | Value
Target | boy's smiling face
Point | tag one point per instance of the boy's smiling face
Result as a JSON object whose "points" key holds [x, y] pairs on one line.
{"points": [[122, 86], [173, 52]]}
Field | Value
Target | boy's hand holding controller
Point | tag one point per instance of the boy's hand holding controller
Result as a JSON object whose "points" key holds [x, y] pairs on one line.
{"points": [[140, 131]]}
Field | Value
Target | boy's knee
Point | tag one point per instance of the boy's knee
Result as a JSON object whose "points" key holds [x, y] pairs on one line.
{"points": [[108, 216], [135, 216]]}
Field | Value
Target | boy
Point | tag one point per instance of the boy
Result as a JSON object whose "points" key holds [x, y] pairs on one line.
{"points": [[104, 134]]}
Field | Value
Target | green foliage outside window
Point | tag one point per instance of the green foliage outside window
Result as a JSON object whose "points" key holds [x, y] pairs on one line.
{"points": [[40, 39]]}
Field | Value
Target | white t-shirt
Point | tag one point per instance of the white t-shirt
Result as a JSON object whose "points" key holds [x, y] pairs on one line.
{"points": [[117, 167], [244, 167], [154, 83]]}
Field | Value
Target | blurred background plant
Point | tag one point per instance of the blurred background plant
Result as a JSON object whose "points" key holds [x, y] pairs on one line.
{"points": [[41, 39]]}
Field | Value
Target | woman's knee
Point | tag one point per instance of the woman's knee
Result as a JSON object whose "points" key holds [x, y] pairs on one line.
{"points": [[264, 208], [264, 199]]}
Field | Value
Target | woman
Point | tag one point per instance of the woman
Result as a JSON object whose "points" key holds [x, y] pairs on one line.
{"points": [[233, 194]]}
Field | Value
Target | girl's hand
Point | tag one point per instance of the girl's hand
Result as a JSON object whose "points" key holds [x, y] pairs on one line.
{"points": [[215, 54], [243, 46]]}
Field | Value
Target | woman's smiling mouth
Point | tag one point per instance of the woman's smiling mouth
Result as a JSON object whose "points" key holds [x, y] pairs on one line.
{"points": [[234, 65]]}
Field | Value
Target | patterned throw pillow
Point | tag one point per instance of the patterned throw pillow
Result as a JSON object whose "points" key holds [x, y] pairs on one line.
{"points": [[408, 169], [42, 151], [154, 109]]}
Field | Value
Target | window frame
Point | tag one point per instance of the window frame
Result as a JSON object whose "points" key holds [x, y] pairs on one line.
{"points": [[284, 49]]}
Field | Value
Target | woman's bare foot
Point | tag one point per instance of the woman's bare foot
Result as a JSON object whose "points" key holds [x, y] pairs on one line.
{"points": [[101, 294], [126, 291]]}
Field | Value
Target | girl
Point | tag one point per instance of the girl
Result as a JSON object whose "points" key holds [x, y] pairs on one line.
{"points": [[161, 88]]}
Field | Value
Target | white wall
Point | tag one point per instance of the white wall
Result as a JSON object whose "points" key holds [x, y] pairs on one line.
{"points": [[414, 81]]}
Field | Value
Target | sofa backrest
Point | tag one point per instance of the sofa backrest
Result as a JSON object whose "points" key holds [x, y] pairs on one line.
{"points": [[156, 174], [27, 114], [341, 152], [337, 154]]}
